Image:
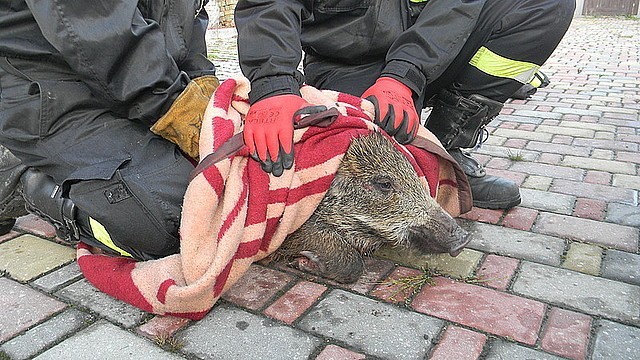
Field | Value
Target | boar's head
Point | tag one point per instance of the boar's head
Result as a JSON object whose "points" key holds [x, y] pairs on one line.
{"points": [[376, 198]]}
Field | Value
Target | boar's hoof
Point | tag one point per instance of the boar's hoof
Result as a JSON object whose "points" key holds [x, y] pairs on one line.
{"points": [[339, 269]]}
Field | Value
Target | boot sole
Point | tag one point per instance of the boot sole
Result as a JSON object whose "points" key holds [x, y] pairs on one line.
{"points": [[13, 207], [500, 205]]}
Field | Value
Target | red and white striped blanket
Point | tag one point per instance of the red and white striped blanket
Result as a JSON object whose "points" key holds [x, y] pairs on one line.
{"points": [[235, 214]]}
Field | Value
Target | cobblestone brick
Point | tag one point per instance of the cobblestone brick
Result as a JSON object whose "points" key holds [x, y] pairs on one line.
{"points": [[258, 286], [59, 278], [594, 191], [333, 352], [553, 171], [567, 334], [569, 131], [515, 243], [599, 164], [483, 215], [23, 307], [35, 340], [84, 294], [503, 350], [459, 344], [585, 230], [584, 258], [392, 291], [598, 177], [461, 266], [626, 181], [497, 271], [520, 218], [232, 333], [623, 214], [536, 182], [295, 301], [106, 341], [590, 209], [371, 327], [162, 327], [621, 266], [35, 225], [616, 341], [27, 257], [481, 308], [585, 293], [606, 144]]}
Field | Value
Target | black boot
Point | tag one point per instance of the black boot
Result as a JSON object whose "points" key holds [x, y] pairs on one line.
{"points": [[459, 122], [11, 202], [44, 198]]}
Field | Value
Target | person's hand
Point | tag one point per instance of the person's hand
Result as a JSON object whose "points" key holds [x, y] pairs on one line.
{"points": [[395, 111], [268, 131]]}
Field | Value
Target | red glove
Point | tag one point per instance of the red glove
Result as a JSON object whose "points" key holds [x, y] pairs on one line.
{"points": [[268, 131], [395, 111]]}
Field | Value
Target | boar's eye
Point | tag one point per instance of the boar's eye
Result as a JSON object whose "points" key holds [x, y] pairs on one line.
{"points": [[382, 183]]}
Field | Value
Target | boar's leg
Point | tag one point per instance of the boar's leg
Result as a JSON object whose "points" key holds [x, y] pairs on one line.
{"points": [[323, 253]]}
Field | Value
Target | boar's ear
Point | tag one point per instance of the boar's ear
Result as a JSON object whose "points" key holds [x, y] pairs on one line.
{"points": [[309, 262]]}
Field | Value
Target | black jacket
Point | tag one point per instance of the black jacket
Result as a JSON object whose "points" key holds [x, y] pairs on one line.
{"points": [[418, 39], [133, 55]]}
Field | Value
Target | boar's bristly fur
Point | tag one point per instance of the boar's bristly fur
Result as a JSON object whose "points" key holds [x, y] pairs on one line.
{"points": [[375, 198]]}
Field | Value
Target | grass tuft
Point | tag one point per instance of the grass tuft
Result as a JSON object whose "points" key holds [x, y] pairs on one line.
{"points": [[168, 342], [411, 285]]}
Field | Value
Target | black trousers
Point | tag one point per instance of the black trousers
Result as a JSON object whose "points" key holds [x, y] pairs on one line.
{"points": [[523, 30], [115, 170], [82, 115]]}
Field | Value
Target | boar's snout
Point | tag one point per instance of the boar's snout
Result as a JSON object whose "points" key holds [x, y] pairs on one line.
{"points": [[442, 239]]}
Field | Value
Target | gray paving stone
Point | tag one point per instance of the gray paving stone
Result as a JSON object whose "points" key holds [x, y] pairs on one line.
{"points": [[84, 294], [516, 243], [622, 266], [554, 171], [503, 152], [504, 350], [537, 114], [558, 148], [586, 230], [616, 341], [590, 294], [547, 201], [46, 334], [626, 181], [521, 119], [59, 278], [522, 134], [569, 131], [105, 341], [371, 327], [22, 307], [574, 111], [594, 191], [606, 144], [599, 164], [231, 333]]}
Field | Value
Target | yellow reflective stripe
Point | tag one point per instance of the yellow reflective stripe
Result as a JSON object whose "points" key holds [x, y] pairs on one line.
{"points": [[101, 234], [536, 81], [493, 64], [418, 1]]}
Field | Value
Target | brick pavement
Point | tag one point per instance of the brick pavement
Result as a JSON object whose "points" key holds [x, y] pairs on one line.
{"points": [[556, 277]]}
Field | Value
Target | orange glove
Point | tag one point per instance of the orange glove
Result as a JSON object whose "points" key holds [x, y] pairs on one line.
{"points": [[395, 111], [268, 131]]}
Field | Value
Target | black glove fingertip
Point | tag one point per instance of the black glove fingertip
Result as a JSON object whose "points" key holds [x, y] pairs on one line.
{"points": [[287, 159], [388, 122]]}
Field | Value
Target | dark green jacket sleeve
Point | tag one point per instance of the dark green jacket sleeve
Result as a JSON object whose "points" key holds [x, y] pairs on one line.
{"points": [[269, 45]]}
